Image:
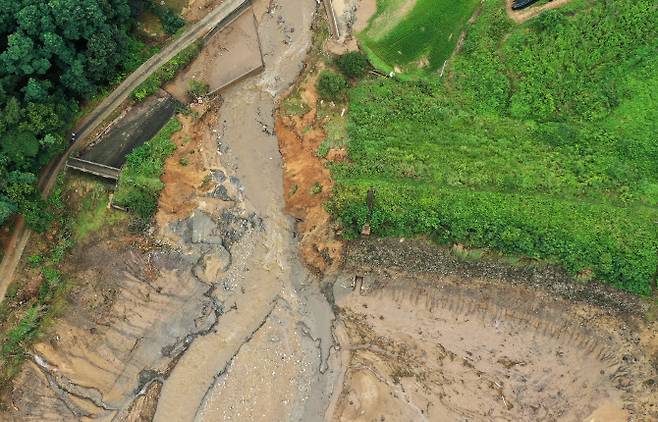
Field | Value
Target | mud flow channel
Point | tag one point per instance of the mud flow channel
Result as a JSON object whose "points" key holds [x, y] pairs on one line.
{"points": [[214, 317]]}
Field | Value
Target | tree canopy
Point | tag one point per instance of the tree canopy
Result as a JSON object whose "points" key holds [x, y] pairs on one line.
{"points": [[53, 55]]}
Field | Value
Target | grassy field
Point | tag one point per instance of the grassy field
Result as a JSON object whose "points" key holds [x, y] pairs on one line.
{"points": [[415, 38], [540, 142]]}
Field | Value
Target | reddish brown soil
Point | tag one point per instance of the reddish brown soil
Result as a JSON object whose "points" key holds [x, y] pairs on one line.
{"points": [[299, 138], [186, 171]]}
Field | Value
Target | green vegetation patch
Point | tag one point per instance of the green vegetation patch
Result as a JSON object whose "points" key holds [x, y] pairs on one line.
{"points": [[139, 184], [94, 213], [419, 41], [540, 143], [331, 86], [167, 72]]}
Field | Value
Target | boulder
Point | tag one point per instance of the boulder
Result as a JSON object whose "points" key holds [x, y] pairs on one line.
{"points": [[212, 265]]}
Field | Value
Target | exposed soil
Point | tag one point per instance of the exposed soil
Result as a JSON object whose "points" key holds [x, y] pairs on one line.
{"points": [[353, 17], [307, 181], [187, 171], [214, 317], [446, 339], [520, 16], [161, 329], [197, 9]]}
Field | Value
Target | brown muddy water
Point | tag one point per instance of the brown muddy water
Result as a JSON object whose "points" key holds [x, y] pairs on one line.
{"points": [[214, 318]]}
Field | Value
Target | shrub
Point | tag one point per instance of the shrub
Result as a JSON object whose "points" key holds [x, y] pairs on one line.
{"points": [[323, 150], [541, 143], [331, 86], [167, 72], [139, 184], [171, 22], [197, 88], [353, 64], [316, 188]]}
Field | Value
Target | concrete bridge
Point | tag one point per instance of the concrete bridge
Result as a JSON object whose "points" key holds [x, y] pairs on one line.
{"points": [[96, 169]]}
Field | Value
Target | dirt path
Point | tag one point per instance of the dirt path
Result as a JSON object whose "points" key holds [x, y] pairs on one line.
{"points": [[520, 16]]}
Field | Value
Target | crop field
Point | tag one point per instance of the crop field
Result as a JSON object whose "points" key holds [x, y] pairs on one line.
{"points": [[540, 142], [415, 38]]}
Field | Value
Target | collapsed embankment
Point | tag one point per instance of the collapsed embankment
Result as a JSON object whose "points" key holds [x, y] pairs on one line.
{"points": [[432, 333], [214, 317]]}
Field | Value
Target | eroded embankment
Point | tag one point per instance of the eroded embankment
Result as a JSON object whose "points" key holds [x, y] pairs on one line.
{"points": [[427, 336], [215, 318], [212, 317]]}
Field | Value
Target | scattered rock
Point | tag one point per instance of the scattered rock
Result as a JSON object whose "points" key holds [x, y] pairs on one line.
{"points": [[204, 229], [212, 265], [221, 192], [218, 176]]}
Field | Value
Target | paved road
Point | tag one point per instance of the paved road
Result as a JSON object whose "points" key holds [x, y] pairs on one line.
{"points": [[221, 15]]}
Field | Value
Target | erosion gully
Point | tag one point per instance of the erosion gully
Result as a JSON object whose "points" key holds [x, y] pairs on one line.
{"points": [[218, 320]]}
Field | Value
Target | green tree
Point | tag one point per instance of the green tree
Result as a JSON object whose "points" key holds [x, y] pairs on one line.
{"points": [[353, 64], [331, 85]]}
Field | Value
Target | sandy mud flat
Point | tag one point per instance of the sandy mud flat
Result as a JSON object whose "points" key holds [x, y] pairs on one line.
{"points": [[455, 340], [215, 316], [230, 55]]}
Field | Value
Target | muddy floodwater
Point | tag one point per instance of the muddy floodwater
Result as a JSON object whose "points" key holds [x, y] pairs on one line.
{"points": [[213, 316]]}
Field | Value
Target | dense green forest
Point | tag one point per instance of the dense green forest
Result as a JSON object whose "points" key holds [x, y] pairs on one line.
{"points": [[540, 141], [55, 55]]}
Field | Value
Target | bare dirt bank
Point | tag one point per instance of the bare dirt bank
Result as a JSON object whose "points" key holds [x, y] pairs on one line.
{"points": [[213, 317]]}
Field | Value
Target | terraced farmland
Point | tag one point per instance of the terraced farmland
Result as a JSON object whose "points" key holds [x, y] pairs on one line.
{"points": [[415, 37], [539, 143]]}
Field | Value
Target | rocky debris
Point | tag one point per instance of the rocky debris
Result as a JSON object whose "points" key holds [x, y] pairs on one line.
{"points": [[425, 257], [204, 229], [212, 265], [220, 192], [224, 229], [234, 224], [218, 176]]}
